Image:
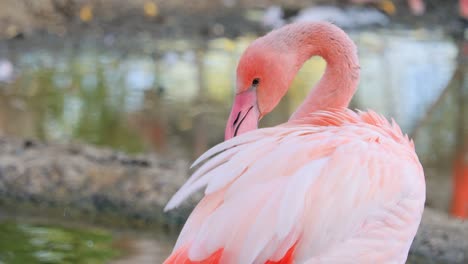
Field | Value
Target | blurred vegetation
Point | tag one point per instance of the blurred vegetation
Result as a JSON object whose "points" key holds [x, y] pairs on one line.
{"points": [[24, 17]]}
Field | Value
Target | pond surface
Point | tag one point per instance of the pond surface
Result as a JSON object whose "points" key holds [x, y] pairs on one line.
{"points": [[173, 97], [27, 243], [47, 242]]}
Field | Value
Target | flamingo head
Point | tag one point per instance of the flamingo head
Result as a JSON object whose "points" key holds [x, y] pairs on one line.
{"points": [[264, 74]]}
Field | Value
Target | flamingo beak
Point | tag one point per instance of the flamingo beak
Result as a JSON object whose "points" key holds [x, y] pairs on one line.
{"points": [[244, 114]]}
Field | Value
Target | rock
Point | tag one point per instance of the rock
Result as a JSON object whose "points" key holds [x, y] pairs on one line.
{"points": [[440, 239], [90, 179]]}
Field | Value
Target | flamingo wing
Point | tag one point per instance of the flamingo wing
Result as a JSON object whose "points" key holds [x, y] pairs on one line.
{"points": [[350, 190]]}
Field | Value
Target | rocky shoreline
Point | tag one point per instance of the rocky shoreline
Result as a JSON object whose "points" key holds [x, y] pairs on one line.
{"points": [[440, 239], [76, 179]]}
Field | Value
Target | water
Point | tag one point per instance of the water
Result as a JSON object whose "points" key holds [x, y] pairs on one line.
{"points": [[173, 97], [138, 101], [27, 243]]}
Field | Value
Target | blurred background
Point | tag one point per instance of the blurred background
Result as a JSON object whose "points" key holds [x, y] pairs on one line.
{"points": [[104, 104]]}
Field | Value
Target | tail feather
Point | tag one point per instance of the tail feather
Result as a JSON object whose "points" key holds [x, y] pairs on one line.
{"points": [[181, 257], [287, 259]]}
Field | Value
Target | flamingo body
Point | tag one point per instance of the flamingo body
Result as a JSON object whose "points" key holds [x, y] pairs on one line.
{"points": [[329, 186]]}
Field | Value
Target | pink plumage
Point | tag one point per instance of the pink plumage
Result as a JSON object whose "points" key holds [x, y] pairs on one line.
{"points": [[328, 186]]}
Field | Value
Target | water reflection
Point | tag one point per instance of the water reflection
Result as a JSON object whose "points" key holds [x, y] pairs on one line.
{"points": [[26, 243], [175, 98]]}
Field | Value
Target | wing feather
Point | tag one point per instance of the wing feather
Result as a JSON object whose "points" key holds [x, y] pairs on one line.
{"points": [[328, 190], [292, 203]]}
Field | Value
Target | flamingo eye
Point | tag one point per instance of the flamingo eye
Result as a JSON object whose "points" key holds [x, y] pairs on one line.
{"points": [[255, 82]]}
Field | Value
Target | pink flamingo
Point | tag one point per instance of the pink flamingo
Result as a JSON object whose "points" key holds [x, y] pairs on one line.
{"points": [[463, 8], [417, 7], [328, 186]]}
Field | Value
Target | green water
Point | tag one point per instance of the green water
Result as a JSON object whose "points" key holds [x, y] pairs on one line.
{"points": [[26, 243]]}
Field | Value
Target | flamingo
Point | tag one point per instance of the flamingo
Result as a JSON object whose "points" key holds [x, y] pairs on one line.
{"points": [[417, 7], [463, 9], [330, 185]]}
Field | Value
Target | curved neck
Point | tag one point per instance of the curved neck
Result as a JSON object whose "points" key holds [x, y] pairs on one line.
{"points": [[339, 82]]}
